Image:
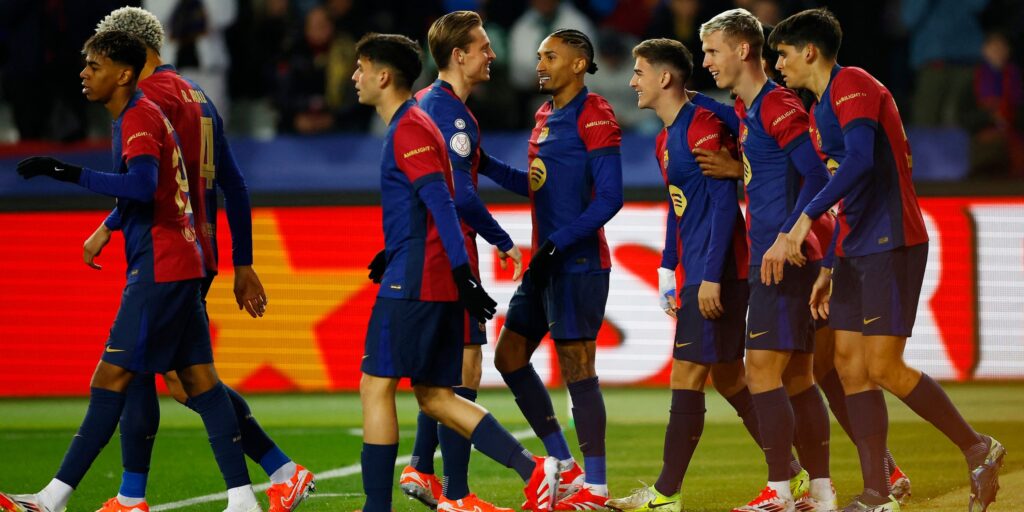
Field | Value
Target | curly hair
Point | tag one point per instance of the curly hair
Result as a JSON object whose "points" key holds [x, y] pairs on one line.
{"points": [[137, 22]]}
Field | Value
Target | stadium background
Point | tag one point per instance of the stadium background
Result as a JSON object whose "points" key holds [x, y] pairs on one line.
{"points": [[311, 166]]}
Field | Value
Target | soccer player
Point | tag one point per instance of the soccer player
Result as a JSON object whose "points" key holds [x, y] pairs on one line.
{"points": [[704, 224], [416, 327], [720, 164], [210, 166], [881, 250], [161, 324], [463, 53], [782, 173], [575, 188]]}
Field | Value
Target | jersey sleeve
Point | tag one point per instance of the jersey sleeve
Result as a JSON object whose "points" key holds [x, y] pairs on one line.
{"points": [[237, 206], [141, 133], [856, 99], [785, 119], [708, 132], [598, 128], [724, 112], [416, 151]]}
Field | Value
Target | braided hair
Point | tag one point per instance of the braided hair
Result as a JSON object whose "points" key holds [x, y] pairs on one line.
{"points": [[579, 41]]}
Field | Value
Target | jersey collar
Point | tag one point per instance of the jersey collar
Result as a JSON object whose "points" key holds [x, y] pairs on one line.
{"points": [[401, 111], [136, 96], [575, 102], [768, 86], [165, 67], [683, 110]]}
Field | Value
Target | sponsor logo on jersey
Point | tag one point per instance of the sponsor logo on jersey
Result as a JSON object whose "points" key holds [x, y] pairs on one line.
{"points": [[460, 144], [851, 96], [678, 199], [137, 135], [538, 174], [704, 139], [417, 151], [747, 173], [599, 122], [783, 117]]}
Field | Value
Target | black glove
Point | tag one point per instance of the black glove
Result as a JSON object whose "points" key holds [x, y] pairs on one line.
{"points": [[46, 166], [377, 266], [472, 295], [542, 263]]}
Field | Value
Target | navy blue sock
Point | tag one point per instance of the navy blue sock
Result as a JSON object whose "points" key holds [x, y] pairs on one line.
{"points": [[744, 406], [140, 420], [495, 442], [812, 431], [378, 462], [455, 451], [685, 426], [591, 422], [256, 444], [535, 403], [426, 443], [775, 423], [869, 421], [932, 404], [833, 389], [215, 408], [97, 428]]}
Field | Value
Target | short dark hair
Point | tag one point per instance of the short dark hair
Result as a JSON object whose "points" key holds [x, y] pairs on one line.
{"points": [[666, 52], [120, 47], [813, 26], [581, 42], [449, 32], [395, 51]]}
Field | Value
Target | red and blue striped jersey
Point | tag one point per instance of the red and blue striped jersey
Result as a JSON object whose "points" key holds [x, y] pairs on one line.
{"points": [[160, 242], [704, 222], [423, 240], [771, 127], [878, 209], [575, 178]]}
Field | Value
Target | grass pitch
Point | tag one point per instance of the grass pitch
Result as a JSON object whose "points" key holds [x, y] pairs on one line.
{"points": [[322, 433]]}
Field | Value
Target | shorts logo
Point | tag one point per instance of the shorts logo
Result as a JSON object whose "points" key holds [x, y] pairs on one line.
{"points": [[395, 287], [869, 320], [460, 124], [681, 345], [460, 144], [757, 334], [538, 174], [543, 135], [112, 349], [678, 200], [883, 240]]}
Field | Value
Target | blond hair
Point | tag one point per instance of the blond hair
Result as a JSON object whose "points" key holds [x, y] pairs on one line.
{"points": [[737, 25], [137, 22]]}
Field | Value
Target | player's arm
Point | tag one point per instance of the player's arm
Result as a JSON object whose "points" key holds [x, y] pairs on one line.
{"points": [[722, 111], [99, 239], [138, 184], [709, 133], [669, 262], [508, 177]]}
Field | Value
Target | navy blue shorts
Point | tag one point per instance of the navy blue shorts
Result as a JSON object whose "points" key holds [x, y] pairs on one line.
{"points": [[416, 339], [160, 327], [778, 317], [704, 341], [474, 331], [877, 294], [571, 308]]}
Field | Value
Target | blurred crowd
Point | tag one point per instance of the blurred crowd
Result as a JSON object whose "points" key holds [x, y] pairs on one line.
{"points": [[284, 66]]}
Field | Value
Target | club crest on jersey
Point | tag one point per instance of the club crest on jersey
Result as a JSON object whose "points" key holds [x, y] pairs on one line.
{"points": [[543, 134], [678, 200], [538, 174], [664, 159], [743, 133], [460, 144], [460, 124]]}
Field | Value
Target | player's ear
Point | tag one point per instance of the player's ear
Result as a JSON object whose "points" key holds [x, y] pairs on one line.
{"points": [[126, 77], [579, 65], [384, 77], [744, 50], [666, 79]]}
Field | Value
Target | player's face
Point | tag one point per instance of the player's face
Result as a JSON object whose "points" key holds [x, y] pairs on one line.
{"points": [[793, 66], [646, 82], [721, 59], [101, 77], [555, 61], [367, 79], [479, 56]]}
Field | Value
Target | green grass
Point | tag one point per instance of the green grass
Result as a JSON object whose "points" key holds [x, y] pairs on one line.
{"points": [[320, 431]]}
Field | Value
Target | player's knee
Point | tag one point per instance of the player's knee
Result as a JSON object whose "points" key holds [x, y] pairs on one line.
{"points": [[174, 386]]}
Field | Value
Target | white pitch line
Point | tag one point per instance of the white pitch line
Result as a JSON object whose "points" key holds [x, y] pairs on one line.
{"points": [[341, 472]]}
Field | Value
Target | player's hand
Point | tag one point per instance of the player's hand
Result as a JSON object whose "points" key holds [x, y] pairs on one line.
{"points": [[542, 263], [667, 291], [718, 164], [821, 292], [773, 261], [517, 261], [377, 267], [94, 245], [249, 292], [472, 295], [795, 240], [46, 166], [709, 300]]}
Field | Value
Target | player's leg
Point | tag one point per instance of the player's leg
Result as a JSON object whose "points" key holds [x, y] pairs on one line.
{"points": [[380, 440], [139, 423], [456, 449], [685, 424], [811, 435], [525, 325]]}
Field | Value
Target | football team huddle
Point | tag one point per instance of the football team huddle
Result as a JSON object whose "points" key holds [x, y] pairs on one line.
{"points": [[812, 289]]}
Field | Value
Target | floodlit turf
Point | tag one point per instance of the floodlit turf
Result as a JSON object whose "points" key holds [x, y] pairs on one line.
{"points": [[321, 432]]}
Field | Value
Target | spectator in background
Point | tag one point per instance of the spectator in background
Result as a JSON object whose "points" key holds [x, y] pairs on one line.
{"points": [[314, 93], [768, 12], [615, 59], [631, 17], [196, 43], [945, 45], [680, 20], [998, 145], [542, 18]]}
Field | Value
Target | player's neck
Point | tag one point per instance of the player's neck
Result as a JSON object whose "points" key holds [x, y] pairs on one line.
{"points": [[119, 100], [669, 105], [390, 102], [750, 82], [153, 61], [564, 96], [821, 75], [461, 85]]}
